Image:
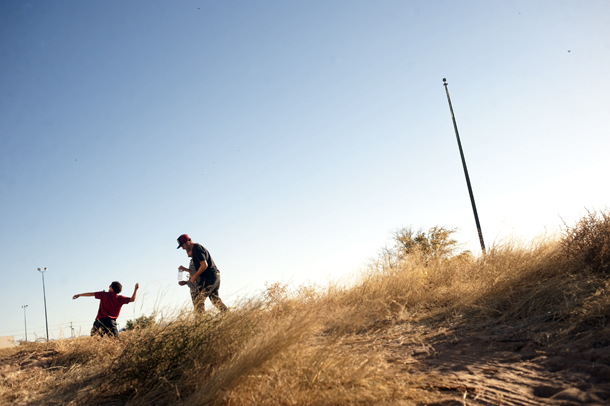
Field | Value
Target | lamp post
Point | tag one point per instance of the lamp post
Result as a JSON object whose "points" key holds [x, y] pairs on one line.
{"points": [[42, 271], [457, 135], [25, 322]]}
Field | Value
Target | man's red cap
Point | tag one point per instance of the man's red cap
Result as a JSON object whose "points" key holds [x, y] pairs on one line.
{"points": [[183, 239]]}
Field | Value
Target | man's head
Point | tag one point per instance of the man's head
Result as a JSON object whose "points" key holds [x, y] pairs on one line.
{"points": [[116, 287], [184, 242]]}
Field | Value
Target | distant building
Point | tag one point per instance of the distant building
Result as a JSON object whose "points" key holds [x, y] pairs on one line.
{"points": [[7, 341]]}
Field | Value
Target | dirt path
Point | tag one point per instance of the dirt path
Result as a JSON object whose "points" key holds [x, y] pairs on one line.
{"points": [[492, 369]]}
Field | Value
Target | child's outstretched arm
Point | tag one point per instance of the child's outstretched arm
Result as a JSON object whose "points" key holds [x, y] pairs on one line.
{"points": [[135, 292], [83, 294]]}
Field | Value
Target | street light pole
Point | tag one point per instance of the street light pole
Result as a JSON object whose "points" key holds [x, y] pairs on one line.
{"points": [[25, 322], [45, 300], [474, 207]]}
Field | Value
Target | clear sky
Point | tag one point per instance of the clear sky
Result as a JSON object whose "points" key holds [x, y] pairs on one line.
{"points": [[290, 138]]}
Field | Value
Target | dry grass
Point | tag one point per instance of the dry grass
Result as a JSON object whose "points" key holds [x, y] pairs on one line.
{"points": [[332, 346]]}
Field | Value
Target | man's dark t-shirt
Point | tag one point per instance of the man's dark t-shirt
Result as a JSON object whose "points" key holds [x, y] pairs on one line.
{"points": [[199, 254]]}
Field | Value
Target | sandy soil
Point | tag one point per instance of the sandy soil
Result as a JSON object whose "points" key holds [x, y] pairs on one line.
{"points": [[507, 368], [22, 361], [22, 369]]}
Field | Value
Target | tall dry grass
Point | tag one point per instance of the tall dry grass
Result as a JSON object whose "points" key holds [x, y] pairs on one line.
{"points": [[330, 346]]}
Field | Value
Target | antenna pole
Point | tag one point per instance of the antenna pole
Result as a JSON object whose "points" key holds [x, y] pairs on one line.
{"points": [[474, 206]]}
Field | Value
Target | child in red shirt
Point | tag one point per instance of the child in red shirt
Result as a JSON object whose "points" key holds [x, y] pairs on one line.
{"points": [[110, 307]]}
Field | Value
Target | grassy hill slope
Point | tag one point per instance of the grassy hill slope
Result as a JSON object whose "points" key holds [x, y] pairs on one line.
{"points": [[422, 324]]}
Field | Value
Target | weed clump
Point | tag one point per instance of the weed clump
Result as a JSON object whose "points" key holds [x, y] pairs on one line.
{"points": [[588, 242]]}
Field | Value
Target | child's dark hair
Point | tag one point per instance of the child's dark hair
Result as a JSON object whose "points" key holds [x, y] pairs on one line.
{"points": [[116, 287]]}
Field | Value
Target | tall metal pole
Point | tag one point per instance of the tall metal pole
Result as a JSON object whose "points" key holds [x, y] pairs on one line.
{"points": [[25, 322], [474, 206], [45, 300]]}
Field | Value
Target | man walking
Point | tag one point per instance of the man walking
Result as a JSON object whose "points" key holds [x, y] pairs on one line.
{"points": [[110, 307], [207, 272]]}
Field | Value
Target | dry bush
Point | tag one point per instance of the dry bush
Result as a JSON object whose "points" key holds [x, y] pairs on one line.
{"points": [[513, 280], [552, 279], [587, 244], [419, 273], [197, 357], [277, 338], [549, 279], [173, 359], [595, 309], [320, 372]]}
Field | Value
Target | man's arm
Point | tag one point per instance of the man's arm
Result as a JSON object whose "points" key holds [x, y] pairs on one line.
{"points": [[135, 292], [182, 269], [83, 294], [203, 265]]}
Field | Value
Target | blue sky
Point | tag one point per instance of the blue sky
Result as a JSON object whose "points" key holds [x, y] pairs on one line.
{"points": [[289, 138]]}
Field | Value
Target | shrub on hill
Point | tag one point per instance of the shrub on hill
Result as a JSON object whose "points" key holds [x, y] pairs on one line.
{"points": [[141, 322], [588, 242]]}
